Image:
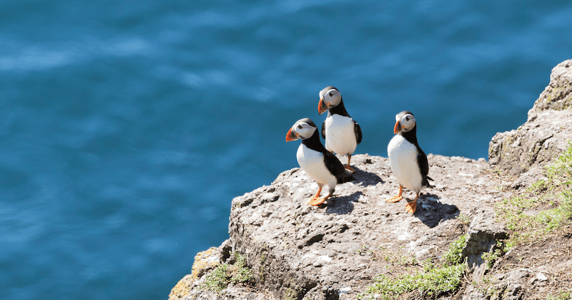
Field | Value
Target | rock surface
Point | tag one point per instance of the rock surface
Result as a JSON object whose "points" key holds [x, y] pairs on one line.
{"points": [[296, 251], [300, 251], [546, 132]]}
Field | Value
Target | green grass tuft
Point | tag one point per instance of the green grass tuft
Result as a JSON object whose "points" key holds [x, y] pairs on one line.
{"points": [[217, 280], [464, 219], [224, 274], [546, 206], [429, 279], [561, 296], [560, 172], [455, 256], [432, 283], [491, 257], [556, 218]]}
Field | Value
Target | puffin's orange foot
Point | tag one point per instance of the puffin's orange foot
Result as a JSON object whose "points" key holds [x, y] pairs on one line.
{"points": [[316, 201], [349, 168], [394, 199], [312, 200], [316, 196], [411, 207]]}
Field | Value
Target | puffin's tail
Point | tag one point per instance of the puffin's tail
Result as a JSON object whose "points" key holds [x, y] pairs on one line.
{"points": [[347, 176], [426, 181]]}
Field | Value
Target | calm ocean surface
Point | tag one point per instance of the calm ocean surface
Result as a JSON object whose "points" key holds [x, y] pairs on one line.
{"points": [[127, 127]]}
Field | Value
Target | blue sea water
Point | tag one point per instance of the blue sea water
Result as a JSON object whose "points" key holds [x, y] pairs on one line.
{"points": [[127, 127]]}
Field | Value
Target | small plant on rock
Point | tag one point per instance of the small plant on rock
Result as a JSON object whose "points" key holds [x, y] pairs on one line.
{"points": [[430, 279], [561, 296], [491, 257], [219, 278], [549, 201], [464, 218], [454, 255]]}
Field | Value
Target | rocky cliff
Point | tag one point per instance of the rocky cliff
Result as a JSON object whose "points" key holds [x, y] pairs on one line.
{"points": [[359, 246], [545, 133]]}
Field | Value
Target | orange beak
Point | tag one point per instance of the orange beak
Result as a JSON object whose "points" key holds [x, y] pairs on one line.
{"points": [[290, 136], [322, 106], [396, 128]]}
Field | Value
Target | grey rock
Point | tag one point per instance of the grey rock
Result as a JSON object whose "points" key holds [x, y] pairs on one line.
{"points": [[541, 277], [518, 276], [509, 286], [325, 252], [546, 132], [483, 235], [472, 293], [558, 94]]}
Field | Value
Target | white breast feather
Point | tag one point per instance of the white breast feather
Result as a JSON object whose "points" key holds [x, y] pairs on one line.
{"points": [[340, 135], [312, 162], [403, 159]]}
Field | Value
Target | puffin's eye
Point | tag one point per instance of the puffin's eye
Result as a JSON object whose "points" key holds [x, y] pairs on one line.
{"points": [[300, 126], [331, 94]]}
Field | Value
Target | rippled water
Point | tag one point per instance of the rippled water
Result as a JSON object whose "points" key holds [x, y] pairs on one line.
{"points": [[126, 127]]}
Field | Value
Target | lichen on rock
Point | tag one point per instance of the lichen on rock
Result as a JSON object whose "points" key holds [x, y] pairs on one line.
{"points": [[558, 93]]}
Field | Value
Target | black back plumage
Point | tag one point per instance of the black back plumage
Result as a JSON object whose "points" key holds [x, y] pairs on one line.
{"points": [[357, 130], [411, 136]]}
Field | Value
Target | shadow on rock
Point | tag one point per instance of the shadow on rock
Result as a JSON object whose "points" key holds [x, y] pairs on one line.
{"points": [[431, 211], [342, 205], [366, 178]]}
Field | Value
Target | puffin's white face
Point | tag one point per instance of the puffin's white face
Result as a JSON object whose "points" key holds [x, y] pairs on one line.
{"points": [[300, 130], [406, 121], [331, 96], [303, 130]]}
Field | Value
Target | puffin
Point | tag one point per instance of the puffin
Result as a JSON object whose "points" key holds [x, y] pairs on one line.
{"points": [[320, 164], [408, 162], [341, 132]]}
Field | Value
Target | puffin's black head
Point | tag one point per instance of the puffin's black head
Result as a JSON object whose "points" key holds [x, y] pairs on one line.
{"points": [[404, 122], [302, 129], [329, 97]]}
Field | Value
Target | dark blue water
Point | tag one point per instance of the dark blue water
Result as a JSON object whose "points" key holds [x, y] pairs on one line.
{"points": [[126, 127]]}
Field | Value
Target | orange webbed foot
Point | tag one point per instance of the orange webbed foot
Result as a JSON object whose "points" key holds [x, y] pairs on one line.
{"points": [[316, 197], [394, 199], [312, 200], [316, 201], [411, 207]]}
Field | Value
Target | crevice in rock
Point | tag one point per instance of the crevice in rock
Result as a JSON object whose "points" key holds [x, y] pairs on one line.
{"points": [[316, 237]]}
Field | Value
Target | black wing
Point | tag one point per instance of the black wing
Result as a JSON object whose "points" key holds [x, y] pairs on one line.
{"points": [[335, 167], [423, 166], [324, 130], [357, 131]]}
